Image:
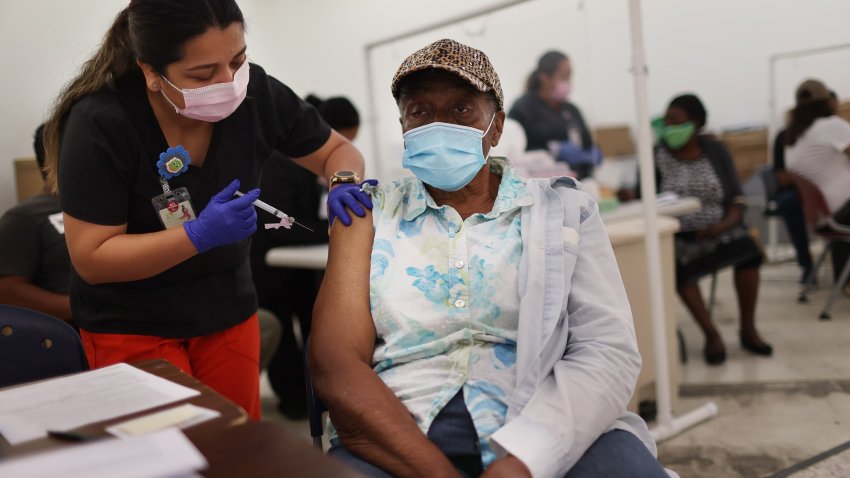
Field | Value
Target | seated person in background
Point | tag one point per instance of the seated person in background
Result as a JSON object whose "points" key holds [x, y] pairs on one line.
{"points": [[551, 121], [477, 321], [818, 148], [35, 269], [788, 200], [713, 237], [289, 293]]}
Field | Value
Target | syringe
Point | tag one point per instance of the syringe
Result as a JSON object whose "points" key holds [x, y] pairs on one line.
{"points": [[274, 211]]}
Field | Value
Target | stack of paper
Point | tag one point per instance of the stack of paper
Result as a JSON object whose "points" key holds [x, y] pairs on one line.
{"points": [[27, 412], [163, 454]]}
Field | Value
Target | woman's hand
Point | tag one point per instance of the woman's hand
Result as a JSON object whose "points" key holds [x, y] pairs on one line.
{"points": [[225, 220], [508, 467], [349, 196]]}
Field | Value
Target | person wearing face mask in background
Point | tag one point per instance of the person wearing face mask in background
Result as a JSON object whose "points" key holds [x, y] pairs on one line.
{"points": [[690, 164], [480, 312], [551, 122], [168, 113]]}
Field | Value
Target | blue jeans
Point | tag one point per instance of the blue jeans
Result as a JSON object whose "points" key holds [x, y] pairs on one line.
{"points": [[614, 454], [788, 206]]}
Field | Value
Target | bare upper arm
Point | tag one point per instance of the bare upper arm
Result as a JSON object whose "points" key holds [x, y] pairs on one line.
{"points": [[84, 238], [316, 160], [342, 319]]}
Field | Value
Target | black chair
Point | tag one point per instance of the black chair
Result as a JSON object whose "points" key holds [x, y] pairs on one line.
{"points": [[36, 346], [315, 407]]}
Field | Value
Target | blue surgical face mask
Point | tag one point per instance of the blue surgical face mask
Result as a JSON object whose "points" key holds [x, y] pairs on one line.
{"points": [[444, 155]]}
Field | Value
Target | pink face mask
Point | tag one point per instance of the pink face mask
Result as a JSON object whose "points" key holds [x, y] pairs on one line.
{"points": [[214, 102], [562, 90]]}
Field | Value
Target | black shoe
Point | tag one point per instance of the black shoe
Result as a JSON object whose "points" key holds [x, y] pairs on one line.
{"points": [[714, 358], [763, 348]]}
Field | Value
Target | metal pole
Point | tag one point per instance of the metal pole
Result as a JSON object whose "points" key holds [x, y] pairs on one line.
{"points": [[667, 425], [372, 120]]}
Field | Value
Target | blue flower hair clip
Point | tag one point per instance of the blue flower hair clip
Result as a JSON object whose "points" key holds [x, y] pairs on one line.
{"points": [[173, 162]]}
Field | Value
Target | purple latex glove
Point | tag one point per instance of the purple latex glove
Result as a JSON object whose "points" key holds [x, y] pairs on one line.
{"points": [[573, 155], [225, 220], [348, 195]]}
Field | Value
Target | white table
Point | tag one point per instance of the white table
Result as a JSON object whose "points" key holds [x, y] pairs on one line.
{"points": [[316, 257], [299, 257], [633, 210]]}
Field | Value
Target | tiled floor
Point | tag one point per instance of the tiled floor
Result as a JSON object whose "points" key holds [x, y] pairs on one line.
{"points": [[773, 412]]}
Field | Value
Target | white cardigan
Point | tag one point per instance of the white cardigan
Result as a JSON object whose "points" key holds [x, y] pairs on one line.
{"points": [[577, 355]]}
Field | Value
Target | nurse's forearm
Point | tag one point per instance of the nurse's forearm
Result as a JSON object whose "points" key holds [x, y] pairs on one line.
{"points": [[131, 257], [337, 154], [344, 157]]}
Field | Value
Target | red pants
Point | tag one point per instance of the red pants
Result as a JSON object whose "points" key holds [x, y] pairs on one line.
{"points": [[227, 361]]}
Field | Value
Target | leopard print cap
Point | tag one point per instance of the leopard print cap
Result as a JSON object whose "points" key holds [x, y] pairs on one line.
{"points": [[470, 64]]}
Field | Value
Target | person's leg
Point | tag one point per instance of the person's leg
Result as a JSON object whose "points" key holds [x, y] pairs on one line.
{"points": [[277, 366], [300, 293], [229, 363], [270, 331], [715, 351], [108, 349], [840, 254], [747, 288], [788, 206], [617, 453]]}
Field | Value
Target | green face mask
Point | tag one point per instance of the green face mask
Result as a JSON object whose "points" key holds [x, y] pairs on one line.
{"points": [[677, 135]]}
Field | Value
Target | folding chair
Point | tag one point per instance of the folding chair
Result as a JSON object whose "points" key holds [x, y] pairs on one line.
{"points": [[818, 218], [36, 346]]}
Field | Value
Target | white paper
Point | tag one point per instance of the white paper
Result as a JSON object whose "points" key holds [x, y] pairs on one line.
{"points": [[183, 416], [163, 454], [64, 403]]}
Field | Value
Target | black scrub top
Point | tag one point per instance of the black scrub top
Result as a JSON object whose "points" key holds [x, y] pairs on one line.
{"points": [[543, 124], [111, 142]]}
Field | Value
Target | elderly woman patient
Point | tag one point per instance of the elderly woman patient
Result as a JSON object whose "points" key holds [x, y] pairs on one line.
{"points": [[477, 325]]}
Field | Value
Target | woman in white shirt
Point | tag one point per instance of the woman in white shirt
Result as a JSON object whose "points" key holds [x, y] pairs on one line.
{"points": [[818, 148]]}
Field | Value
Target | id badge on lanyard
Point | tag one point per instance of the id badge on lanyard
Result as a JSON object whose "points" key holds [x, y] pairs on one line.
{"points": [[173, 206]]}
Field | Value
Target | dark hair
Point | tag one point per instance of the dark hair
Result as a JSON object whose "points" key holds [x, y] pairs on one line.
{"points": [[802, 117], [416, 81], [547, 64], [38, 147], [152, 31], [338, 111], [693, 107]]}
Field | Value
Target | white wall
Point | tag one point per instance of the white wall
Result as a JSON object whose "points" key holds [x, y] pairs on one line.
{"points": [[45, 41], [719, 49]]}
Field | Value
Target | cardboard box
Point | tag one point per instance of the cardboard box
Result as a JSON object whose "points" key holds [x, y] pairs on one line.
{"points": [[615, 140], [748, 149], [28, 180]]}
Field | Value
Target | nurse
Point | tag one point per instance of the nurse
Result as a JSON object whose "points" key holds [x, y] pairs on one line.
{"points": [[148, 146], [551, 121]]}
